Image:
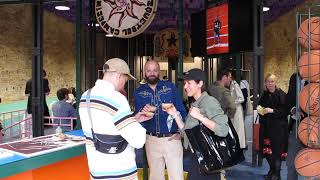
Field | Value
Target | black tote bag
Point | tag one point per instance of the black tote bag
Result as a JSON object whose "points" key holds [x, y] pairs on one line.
{"points": [[214, 152]]}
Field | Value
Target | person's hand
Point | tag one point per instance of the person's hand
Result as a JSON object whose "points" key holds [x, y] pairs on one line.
{"points": [[260, 110], [70, 98], [301, 114], [268, 110], [294, 112], [195, 113], [176, 136], [141, 117], [149, 108], [171, 110]]}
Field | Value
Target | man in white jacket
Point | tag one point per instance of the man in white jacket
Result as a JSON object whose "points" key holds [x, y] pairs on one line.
{"points": [[107, 119], [238, 119]]}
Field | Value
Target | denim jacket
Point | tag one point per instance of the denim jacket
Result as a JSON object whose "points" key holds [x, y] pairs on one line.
{"points": [[165, 92]]}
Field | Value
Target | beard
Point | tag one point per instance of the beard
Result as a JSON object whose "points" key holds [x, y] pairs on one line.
{"points": [[152, 80]]}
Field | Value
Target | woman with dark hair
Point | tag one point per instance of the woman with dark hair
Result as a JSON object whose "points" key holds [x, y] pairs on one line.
{"points": [[274, 126], [206, 110]]}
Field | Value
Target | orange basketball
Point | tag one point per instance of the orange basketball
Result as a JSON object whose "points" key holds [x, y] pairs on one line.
{"points": [[312, 65], [308, 128], [307, 162], [314, 99], [314, 33]]}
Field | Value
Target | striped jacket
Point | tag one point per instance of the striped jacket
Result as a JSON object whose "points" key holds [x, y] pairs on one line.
{"points": [[111, 115]]}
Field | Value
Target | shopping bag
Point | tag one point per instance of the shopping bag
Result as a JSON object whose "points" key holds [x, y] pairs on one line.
{"points": [[256, 132], [214, 152]]}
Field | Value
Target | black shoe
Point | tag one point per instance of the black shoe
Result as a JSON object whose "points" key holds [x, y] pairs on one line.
{"points": [[269, 175]]}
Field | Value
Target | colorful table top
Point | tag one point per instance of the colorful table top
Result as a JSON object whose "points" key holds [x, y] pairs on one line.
{"points": [[19, 150]]}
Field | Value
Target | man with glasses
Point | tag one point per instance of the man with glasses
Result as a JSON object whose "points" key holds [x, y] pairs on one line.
{"points": [[111, 129]]}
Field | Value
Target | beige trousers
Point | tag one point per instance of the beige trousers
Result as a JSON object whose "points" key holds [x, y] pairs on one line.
{"points": [[163, 153], [238, 124]]}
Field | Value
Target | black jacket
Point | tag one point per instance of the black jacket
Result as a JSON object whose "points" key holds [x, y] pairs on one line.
{"points": [[274, 126], [292, 97]]}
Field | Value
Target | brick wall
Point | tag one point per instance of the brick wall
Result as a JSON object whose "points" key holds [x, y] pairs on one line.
{"points": [[280, 45], [59, 44], [16, 51]]}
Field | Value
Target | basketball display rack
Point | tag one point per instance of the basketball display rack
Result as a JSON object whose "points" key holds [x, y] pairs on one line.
{"points": [[308, 96]]}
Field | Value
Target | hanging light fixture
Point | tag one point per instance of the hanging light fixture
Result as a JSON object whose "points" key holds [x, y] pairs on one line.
{"points": [[62, 8], [265, 9], [109, 35]]}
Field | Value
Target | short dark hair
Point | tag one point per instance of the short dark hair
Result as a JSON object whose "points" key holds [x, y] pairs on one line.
{"points": [[72, 90], [233, 73], [222, 72], [203, 87], [61, 93]]}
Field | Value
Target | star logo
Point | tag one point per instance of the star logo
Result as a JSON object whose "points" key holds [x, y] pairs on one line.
{"points": [[125, 18], [166, 43], [172, 40]]}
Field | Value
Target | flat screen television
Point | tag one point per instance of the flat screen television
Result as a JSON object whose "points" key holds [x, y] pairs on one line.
{"points": [[217, 29], [233, 20]]}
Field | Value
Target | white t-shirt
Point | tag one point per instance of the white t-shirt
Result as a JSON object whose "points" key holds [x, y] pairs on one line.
{"points": [[111, 115]]}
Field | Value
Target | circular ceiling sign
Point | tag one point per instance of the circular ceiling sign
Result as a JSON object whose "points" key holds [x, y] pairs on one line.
{"points": [[125, 18]]}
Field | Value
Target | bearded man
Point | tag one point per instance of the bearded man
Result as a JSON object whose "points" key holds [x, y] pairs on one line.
{"points": [[163, 143]]}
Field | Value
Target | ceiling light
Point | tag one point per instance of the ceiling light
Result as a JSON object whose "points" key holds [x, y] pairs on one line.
{"points": [[62, 8], [96, 24], [265, 9], [109, 35]]}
